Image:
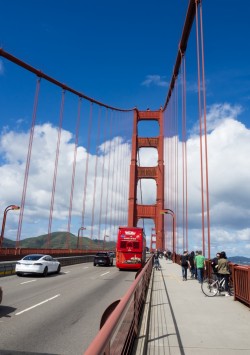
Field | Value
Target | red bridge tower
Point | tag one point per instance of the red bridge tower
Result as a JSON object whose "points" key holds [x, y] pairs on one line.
{"points": [[136, 211]]}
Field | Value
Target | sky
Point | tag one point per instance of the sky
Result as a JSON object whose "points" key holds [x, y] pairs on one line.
{"points": [[123, 55]]}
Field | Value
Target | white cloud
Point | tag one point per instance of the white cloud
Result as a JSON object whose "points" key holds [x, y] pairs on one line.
{"points": [[13, 147], [155, 80], [229, 176], [218, 113]]}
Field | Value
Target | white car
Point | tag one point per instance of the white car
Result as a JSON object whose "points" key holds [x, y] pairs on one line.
{"points": [[37, 264]]}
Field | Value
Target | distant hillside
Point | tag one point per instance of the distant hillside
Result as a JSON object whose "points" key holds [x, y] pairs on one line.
{"points": [[58, 240], [240, 260]]}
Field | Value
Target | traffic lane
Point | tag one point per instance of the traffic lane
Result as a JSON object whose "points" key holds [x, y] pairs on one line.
{"points": [[69, 320], [21, 291]]}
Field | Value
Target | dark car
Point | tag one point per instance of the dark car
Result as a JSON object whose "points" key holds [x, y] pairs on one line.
{"points": [[103, 258], [1, 295]]}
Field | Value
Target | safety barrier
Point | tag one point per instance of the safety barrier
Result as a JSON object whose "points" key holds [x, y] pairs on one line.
{"points": [[7, 269], [121, 320], [241, 281], [13, 253]]}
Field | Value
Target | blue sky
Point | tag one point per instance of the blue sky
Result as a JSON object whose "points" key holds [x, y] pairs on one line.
{"points": [[108, 50], [123, 54]]}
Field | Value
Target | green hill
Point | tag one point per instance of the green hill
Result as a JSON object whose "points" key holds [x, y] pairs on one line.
{"points": [[59, 240]]}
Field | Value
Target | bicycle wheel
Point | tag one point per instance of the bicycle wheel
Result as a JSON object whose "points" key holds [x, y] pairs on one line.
{"points": [[210, 287]]}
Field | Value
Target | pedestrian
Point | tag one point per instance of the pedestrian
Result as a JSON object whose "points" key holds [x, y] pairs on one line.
{"points": [[192, 264], [195, 267], [223, 270], [169, 254], [201, 266], [184, 264], [214, 264], [156, 260]]}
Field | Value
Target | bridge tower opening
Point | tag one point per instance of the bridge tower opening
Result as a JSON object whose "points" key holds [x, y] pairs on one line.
{"points": [[142, 211]]}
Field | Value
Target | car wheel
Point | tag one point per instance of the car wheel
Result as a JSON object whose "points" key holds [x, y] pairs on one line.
{"points": [[112, 263], [94, 264], [45, 271], [19, 274], [58, 269]]}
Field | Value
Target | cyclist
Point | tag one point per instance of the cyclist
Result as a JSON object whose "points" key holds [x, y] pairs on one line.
{"points": [[223, 270]]}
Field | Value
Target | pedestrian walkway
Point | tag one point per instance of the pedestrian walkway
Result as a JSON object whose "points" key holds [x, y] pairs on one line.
{"points": [[179, 319]]}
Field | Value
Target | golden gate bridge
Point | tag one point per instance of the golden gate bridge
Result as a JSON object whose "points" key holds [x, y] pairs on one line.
{"points": [[103, 173]]}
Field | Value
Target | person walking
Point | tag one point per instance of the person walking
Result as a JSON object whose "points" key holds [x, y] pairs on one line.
{"points": [[223, 270], [156, 260], [201, 266], [214, 264], [184, 264], [192, 264]]}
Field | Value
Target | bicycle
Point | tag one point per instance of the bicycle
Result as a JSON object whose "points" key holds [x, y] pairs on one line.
{"points": [[211, 287]]}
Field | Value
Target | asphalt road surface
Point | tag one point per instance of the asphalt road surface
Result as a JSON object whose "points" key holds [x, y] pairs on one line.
{"points": [[58, 314]]}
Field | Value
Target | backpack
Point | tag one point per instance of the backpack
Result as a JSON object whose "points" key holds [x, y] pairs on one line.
{"points": [[184, 260]]}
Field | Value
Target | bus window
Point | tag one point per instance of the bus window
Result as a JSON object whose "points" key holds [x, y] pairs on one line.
{"points": [[136, 245], [123, 244]]}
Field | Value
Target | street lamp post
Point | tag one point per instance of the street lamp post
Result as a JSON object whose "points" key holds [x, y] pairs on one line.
{"points": [[78, 236], [104, 240], [168, 211], [10, 207]]}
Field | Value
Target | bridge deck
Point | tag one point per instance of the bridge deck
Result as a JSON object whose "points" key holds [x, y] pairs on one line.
{"points": [[179, 319]]}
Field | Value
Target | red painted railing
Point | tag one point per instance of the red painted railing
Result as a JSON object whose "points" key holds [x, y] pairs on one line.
{"points": [[241, 281], [118, 333]]}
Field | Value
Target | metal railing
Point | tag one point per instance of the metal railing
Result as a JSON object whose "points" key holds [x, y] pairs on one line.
{"points": [[241, 282], [121, 320]]}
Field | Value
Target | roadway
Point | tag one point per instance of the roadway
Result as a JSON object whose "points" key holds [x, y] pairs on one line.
{"points": [[59, 314]]}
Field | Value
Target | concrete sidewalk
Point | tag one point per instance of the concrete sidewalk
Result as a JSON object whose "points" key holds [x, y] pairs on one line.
{"points": [[179, 319]]}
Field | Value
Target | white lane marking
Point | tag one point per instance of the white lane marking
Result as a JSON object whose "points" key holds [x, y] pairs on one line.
{"points": [[105, 273], [38, 304], [26, 282], [67, 272], [86, 267]]}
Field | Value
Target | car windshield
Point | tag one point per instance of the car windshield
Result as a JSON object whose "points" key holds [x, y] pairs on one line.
{"points": [[32, 257]]}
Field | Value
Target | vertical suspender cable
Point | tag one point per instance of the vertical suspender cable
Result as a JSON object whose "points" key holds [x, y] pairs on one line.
{"points": [[26, 175], [113, 148], [108, 178], [74, 170], [185, 152], [55, 167], [205, 130], [95, 177], [116, 178], [200, 121], [184, 157], [103, 165], [176, 168], [87, 163]]}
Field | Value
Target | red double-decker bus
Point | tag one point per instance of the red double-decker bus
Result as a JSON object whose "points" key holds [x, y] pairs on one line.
{"points": [[130, 248]]}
